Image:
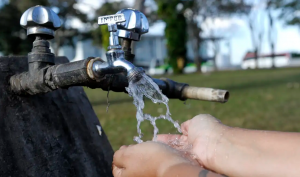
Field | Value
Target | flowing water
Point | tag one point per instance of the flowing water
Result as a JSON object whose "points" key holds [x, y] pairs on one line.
{"points": [[146, 87]]}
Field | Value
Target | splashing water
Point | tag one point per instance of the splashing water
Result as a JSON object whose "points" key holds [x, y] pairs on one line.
{"points": [[184, 148], [148, 88]]}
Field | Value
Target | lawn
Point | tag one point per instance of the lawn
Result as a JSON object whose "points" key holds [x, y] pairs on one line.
{"points": [[259, 99]]}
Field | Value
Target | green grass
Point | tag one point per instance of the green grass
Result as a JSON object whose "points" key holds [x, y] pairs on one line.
{"points": [[259, 99]]}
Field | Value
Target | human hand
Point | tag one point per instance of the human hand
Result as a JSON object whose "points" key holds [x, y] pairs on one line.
{"points": [[148, 159], [202, 133]]}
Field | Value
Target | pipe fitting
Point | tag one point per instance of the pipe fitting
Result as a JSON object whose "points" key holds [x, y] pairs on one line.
{"points": [[97, 69], [93, 66]]}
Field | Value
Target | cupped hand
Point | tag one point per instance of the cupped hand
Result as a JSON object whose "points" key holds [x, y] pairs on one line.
{"points": [[200, 136], [148, 159]]}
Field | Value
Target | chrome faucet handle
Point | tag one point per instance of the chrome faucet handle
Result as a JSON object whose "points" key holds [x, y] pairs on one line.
{"points": [[40, 20], [111, 21], [135, 25]]}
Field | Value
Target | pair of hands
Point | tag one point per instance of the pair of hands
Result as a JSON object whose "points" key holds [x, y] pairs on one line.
{"points": [[153, 159]]}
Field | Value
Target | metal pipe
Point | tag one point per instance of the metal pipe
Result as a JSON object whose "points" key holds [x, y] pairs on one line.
{"points": [[102, 68], [206, 94], [126, 47], [124, 63], [81, 73]]}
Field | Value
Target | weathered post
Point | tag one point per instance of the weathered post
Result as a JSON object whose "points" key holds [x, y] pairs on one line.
{"points": [[54, 134]]}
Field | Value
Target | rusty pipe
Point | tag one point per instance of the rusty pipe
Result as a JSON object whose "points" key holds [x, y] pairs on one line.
{"points": [[81, 73]]}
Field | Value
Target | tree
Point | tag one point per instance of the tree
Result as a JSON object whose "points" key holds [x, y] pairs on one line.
{"points": [[250, 12], [139, 5], [257, 31], [272, 30], [194, 31], [67, 12], [25, 4], [13, 40], [175, 32], [289, 11], [12, 36], [199, 11]]}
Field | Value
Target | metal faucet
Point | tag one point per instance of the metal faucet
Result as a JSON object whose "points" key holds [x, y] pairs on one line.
{"points": [[40, 20], [135, 25], [44, 76], [129, 28], [41, 23]]}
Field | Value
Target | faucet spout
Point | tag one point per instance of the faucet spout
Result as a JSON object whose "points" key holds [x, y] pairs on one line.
{"points": [[115, 58], [124, 63]]}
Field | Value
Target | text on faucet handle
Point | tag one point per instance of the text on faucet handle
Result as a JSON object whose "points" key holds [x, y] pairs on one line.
{"points": [[111, 19]]}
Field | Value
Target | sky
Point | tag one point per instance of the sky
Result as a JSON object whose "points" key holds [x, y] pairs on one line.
{"points": [[239, 35]]}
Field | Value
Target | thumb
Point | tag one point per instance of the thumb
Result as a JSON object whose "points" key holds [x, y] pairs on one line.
{"points": [[185, 127], [118, 158], [117, 172]]}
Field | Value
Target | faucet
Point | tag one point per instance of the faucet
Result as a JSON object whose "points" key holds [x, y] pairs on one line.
{"points": [[115, 55], [44, 75], [135, 25]]}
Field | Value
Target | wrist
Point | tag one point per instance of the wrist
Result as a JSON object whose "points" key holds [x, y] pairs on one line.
{"points": [[223, 149], [167, 167], [207, 147], [180, 170]]}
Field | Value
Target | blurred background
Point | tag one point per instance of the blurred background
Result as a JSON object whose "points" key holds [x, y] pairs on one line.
{"points": [[249, 47]]}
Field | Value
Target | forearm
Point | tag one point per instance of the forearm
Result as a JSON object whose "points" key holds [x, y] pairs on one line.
{"points": [[188, 170], [243, 152]]}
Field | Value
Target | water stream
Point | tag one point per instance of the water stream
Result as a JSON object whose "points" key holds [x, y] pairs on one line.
{"points": [[146, 87]]}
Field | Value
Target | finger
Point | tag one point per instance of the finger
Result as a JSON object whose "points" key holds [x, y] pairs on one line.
{"points": [[123, 147], [206, 117], [118, 159], [185, 127], [117, 172], [166, 138]]}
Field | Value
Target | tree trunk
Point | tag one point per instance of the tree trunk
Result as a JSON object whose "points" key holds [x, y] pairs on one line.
{"points": [[256, 57], [254, 44], [57, 45], [197, 58], [271, 37], [216, 52], [195, 42], [139, 5], [273, 55]]}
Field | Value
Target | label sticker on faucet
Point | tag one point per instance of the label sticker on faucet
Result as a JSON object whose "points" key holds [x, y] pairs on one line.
{"points": [[111, 19]]}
